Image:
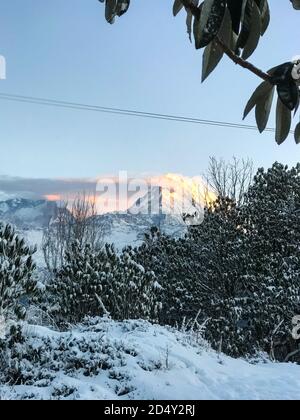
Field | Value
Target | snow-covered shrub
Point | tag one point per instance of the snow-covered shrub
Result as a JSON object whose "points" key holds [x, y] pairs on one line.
{"points": [[240, 268], [99, 358], [132, 291], [178, 272], [29, 357], [10, 344], [251, 266], [16, 273], [95, 283]]}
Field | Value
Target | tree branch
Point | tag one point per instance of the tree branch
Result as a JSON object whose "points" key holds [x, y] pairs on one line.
{"points": [[196, 12], [241, 62]]}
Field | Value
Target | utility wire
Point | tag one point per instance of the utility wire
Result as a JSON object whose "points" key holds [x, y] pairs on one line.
{"points": [[126, 112]]}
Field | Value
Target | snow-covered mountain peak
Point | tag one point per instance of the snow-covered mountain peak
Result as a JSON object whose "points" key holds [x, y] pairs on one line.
{"points": [[173, 194]]}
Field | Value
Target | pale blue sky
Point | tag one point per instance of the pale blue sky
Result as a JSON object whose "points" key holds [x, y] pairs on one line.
{"points": [[66, 51]]}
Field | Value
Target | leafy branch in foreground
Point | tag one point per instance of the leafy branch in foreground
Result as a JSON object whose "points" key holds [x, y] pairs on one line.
{"points": [[234, 28]]}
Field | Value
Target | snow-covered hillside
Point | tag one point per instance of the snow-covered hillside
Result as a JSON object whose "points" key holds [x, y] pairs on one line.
{"points": [[27, 214], [103, 359]]}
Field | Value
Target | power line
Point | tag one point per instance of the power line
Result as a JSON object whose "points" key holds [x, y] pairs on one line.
{"points": [[126, 112]]}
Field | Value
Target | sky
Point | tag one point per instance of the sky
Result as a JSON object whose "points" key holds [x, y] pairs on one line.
{"points": [[65, 50]]}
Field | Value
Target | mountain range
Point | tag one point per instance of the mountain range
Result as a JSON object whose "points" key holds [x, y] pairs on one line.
{"points": [[161, 206]]}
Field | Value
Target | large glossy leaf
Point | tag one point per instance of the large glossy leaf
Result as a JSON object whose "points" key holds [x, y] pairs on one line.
{"points": [[110, 7], [211, 20], [260, 92], [289, 94], [177, 7], [197, 29], [235, 8], [297, 105], [254, 34], [296, 4], [263, 109], [297, 133], [115, 8], [197, 33], [189, 24], [213, 53], [122, 7], [246, 18], [282, 74], [283, 122], [265, 16]]}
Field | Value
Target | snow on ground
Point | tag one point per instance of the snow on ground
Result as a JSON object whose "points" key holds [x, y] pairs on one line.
{"points": [[137, 360]]}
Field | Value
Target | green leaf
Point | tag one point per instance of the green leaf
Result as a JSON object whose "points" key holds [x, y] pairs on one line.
{"points": [[265, 16], [213, 53], [296, 4], [234, 41], [246, 24], [255, 33], [122, 7], [110, 7], [189, 22], [283, 122], [115, 8], [212, 14], [177, 7], [225, 32], [297, 105], [297, 133], [206, 12], [261, 91], [263, 109], [197, 33]]}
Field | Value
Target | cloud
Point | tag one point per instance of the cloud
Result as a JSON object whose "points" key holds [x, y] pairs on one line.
{"points": [[38, 188], [112, 193]]}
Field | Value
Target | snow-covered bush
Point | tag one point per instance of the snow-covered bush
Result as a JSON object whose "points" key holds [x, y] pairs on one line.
{"points": [[132, 292], [29, 357], [16, 273], [95, 283], [178, 272], [251, 266], [240, 268]]}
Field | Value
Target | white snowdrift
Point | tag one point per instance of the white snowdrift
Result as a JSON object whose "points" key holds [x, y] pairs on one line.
{"points": [[144, 361]]}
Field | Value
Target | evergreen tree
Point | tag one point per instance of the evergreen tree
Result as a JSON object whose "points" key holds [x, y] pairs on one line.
{"points": [[133, 291], [16, 271], [240, 268], [251, 265], [272, 222], [77, 284], [177, 270], [219, 245]]}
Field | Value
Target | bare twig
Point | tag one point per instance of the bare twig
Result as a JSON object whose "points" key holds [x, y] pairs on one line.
{"points": [[272, 353], [102, 305]]}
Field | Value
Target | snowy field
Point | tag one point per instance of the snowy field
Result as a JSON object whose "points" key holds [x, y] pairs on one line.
{"points": [[103, 359]]}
